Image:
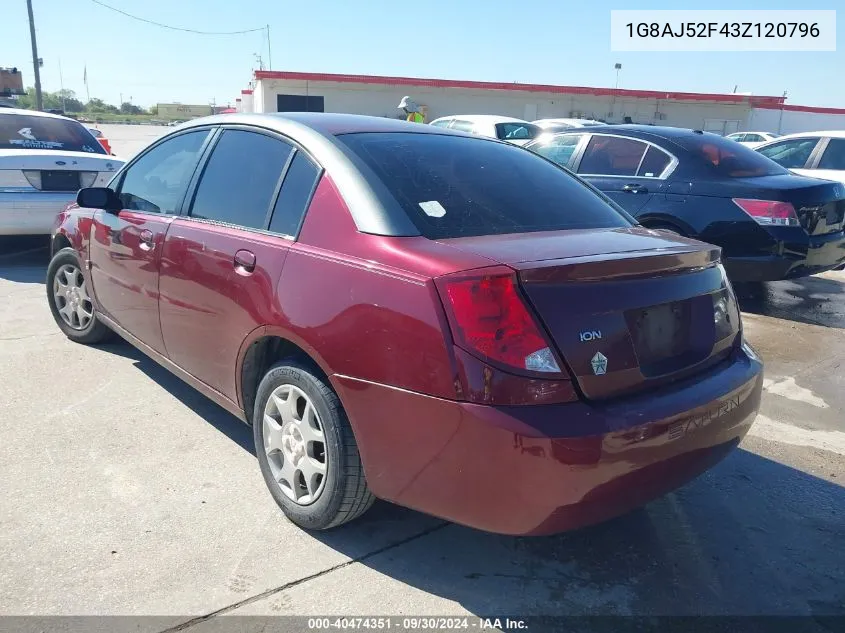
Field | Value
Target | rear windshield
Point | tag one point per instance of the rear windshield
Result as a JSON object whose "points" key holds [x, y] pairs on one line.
{"points": [[726, 157], [22, 131], [455, 186], [516, 131]]}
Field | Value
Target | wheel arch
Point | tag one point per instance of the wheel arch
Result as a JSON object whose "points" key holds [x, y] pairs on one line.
{"points": [[652, 220], [264, 347]]}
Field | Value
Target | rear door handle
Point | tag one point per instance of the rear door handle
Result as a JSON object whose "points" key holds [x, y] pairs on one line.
{"points": [[634, 189], [146, 237], [244, 262]]}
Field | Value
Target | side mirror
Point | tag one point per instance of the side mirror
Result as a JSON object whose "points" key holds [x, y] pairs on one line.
{"points": [[98, 198]]}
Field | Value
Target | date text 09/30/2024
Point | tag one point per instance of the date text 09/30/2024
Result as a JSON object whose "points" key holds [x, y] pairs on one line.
{"points": [[407, 623]]}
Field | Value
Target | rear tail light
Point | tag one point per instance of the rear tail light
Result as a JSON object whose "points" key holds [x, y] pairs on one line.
{"points": [[489, 318], [769, 212], [87, 178], [34, 177]]}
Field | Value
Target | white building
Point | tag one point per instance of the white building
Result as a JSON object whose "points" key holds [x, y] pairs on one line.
{"points": [[282, 91]]}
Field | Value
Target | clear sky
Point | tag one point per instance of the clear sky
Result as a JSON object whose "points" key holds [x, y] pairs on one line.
{"points": [[533, 41]]}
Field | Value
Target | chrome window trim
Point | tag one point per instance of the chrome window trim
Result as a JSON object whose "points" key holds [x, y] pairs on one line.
{"points": [[667, 171]]}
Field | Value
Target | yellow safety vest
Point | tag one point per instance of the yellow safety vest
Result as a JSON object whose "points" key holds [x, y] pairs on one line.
{"points": [[415, 117]]}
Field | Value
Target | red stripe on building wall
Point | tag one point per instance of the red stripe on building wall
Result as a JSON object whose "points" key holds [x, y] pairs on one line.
{"points": [[754, 101], [246, 92]]}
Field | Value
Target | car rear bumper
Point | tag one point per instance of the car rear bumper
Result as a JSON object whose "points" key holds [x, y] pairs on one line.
{"points": [[790, 258], [531, 470], [31, 213]]}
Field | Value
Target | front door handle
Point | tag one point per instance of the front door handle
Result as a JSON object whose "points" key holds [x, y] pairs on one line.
{"points": [[634, 189], [244, 262], [146, 237]]}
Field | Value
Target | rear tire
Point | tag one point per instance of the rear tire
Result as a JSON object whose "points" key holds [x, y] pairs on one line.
{"points": [[70, 303], [306, 449]]}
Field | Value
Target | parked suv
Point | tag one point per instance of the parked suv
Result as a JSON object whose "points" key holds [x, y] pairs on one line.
{"points": [[444, 321]]}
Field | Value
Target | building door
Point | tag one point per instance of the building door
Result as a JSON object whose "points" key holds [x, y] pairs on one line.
{"points": [[530, 112], [299, 103]]}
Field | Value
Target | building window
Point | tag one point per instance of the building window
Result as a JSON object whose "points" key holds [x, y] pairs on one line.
{"points": [[299, 103]]}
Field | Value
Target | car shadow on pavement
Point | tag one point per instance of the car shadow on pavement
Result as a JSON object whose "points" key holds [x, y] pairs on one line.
{"points": [[750, 537], [814, 300], [215, 415], [24, 260]]}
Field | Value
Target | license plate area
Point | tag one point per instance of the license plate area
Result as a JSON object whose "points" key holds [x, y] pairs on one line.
{"points": [[672, 336], [60, 180]]}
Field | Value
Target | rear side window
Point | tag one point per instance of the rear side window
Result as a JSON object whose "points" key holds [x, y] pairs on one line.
{"points": [[23, 131], [294, 196], [463, 126], [753, 138], [444, 123], [516, 131], [726, 158], [453, 186], [612, 156], [240, 179], [157, 181], [558, 149], [792, 154], [654, 163], [834, 155]]}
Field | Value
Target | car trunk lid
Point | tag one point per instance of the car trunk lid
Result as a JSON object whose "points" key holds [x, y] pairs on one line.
{"points": [[628, 309]]}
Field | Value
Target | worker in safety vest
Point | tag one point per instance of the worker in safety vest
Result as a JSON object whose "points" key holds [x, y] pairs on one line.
{"points": [[412, 110]]}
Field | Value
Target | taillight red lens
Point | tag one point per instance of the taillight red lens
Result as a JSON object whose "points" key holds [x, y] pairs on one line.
{"points": [[771, 212], [490, 318]]}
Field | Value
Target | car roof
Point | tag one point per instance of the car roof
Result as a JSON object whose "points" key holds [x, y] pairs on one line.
{"points": [[483, 118], [645, 132], [564, 120], [37, 113], [831, 133]]}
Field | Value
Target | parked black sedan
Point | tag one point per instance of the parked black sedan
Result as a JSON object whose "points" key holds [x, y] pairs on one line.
{"points": [[770, 223]]}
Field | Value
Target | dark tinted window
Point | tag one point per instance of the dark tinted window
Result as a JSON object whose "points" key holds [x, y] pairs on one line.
{"points": [[792, 154], [157, 182], [558, 149], [240, 178], [654, 163], [299, 183], [753, 138], [516, 131], [612, 156], [834, 155], [726, 158], [23, 131], [454, 186]]}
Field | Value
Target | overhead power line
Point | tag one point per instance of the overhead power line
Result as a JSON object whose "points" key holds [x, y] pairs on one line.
{"points": [[175, 28]]}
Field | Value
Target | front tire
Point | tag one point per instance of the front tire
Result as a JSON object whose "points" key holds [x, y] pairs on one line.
{"points": [[70, 303], [306, 449]]}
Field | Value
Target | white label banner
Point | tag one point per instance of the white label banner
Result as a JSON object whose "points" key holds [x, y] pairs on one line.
{"points": [[706, 30]]}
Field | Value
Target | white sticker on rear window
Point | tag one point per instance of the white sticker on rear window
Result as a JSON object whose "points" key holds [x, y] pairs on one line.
{"points": [[433, 209]]}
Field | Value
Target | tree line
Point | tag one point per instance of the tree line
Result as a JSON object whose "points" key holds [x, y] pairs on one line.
{"points": [[68, 101]]}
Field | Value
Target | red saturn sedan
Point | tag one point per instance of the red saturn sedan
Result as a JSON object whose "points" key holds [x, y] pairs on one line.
{"points": [[441, 320]]}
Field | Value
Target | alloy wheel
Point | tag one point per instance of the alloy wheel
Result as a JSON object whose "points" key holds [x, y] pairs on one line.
{"points": [[295, 444], [72, 300]]}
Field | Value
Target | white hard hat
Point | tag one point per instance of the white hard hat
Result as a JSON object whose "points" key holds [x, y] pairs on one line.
{"points": [[406, 104]]}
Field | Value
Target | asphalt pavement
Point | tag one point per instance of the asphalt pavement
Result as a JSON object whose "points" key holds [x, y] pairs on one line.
{"points": [[128, 493]]}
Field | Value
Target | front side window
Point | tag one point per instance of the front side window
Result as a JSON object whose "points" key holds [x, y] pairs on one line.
{"points": [[455, 186], [240, 179], [753, 138], [612, 156], [558, 149], [443, 123], [834, 155], [25, 131], [516, 131], [792, 154], [157, 181]]}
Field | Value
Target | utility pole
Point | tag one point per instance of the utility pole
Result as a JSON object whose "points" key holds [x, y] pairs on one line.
{"points": [[269, 52], [36, 63]]}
